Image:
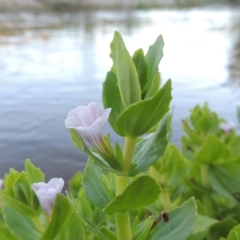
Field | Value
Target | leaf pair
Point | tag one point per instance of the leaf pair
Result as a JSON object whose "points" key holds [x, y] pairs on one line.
{"points": [[131, 89], [131, 198]]}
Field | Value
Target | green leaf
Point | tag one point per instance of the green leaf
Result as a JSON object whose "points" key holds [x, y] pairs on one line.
{"points": [[141, 66], [72, 229], [93, 185], [6, 234], [173, 166], [153, 57], [108, 233], [234, 233], [147, 113], [23, 228], [208, 122], [132, 198], [180, 225], [22, 208], [84, 205], [89, 224], [111, 99], [33, 174], [143, 229], [211, 151], [223, 183], [148, 151], [222, 228], [10, 179], [201, 227], [126, 72], [195, 138], [74, 184], [98, 160], [60, 214], [21, 189], [154, 86]]}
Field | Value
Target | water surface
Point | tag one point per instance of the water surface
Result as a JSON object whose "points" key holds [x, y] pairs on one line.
{"points": [[52, 63]]}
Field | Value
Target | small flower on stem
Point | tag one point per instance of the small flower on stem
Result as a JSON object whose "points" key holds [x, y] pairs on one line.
{"points": [[227, 127], [87, 121], [46, 192]]}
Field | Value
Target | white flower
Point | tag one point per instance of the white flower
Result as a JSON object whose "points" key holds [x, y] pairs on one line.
{"points": [[87, 121], [227, 127], [1, 184], [46, 192]]}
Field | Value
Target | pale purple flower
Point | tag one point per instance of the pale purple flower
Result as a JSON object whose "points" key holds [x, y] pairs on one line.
{"points": [[87, 121], [227, 127], [46, 192]]}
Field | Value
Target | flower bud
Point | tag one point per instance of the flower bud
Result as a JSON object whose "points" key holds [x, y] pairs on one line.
{"points": [[46, 192], [88, 122]]}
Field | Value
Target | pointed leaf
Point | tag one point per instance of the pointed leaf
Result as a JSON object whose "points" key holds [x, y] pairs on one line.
{"points": [[234, 233], [173, 166], [201, 227], [89, 224], [211, 151], [143, 229], [111, 99], [180, 225], [132, 198], [6, 234], [154, 86], [93, 185], [72, 229], [21, 189], [126, 72], [141, 66], [34, 174], [147, 113], [223, 183], [108, 233], [23, 209], [153, 57], [148, 151], [60, 214], [79, 143], [22, 227]]}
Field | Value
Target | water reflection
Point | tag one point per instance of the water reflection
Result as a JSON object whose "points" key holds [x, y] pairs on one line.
{"points": [[234, 65], [51, 63]]}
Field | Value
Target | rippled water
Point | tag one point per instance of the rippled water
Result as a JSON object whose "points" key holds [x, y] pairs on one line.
{"points": [[52, 63]]}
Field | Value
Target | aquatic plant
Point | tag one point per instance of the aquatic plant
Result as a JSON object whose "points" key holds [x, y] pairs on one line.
{"points": [[146, 190]]}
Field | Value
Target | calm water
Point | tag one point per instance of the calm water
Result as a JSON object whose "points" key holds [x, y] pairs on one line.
{"points": [[50, 64]]}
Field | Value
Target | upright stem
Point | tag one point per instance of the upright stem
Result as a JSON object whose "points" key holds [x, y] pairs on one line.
{"points": [[38, 223], [123, 219], [165, 196], [166, 201], [207, 201]]}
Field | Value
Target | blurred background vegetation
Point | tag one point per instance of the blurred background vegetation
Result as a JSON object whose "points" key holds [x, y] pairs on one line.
{"points": [[66, 5]]}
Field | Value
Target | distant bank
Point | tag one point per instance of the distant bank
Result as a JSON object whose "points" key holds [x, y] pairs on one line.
{"points": [[11, 5]]}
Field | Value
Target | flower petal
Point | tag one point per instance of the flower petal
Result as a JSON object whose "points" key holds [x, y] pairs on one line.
{"points": [[56, 183], [46, 192], [88, 122], [94, 109], [40, 185]]}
